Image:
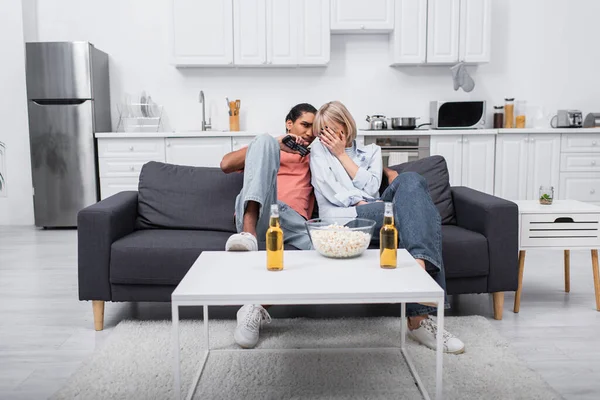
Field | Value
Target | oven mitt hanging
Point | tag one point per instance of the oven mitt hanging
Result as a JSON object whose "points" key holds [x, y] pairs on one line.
{"points": [[461, 78]]}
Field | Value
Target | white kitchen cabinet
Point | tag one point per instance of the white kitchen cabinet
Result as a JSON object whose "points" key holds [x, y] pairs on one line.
{"points": [[197, 152], [449, 147], [478, 154], [475, 31], [580, 143], [249, 32], [470, 159], [524, 162], [443, 21], [201, 32], [543, 163], [511, 166], [408, 42], [238, 142], [358, 16], [111, 186], [582, 186], [314, 32], [282, 32]]}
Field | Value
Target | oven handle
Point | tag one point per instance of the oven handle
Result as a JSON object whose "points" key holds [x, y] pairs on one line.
{"points": [[411, 148]]}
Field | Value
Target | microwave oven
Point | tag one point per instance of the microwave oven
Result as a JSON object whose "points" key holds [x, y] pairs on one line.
{"points": [[457, 114]]}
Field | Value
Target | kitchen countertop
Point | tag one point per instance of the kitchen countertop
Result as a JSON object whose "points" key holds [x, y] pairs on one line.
{"points": [[432, 132]]}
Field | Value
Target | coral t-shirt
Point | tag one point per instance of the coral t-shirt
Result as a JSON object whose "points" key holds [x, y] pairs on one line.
{"points": [[293, 183]]}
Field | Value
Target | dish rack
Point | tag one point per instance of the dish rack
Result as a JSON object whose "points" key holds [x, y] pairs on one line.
{"points": [[139, 117]]}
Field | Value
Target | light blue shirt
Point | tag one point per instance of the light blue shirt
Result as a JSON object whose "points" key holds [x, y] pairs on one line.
{"points": [[335, 191]]}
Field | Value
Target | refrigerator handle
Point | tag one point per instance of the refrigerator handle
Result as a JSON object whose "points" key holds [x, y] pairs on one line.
{"points": [[61, 102]]}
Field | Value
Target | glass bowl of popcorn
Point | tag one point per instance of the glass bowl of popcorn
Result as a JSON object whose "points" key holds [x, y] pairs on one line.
{"points": [[340, 237]]}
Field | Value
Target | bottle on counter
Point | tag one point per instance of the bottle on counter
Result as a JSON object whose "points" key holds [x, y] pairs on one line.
{"points": [[388, 239], [498, 117], [274, 241], [509, 113]]}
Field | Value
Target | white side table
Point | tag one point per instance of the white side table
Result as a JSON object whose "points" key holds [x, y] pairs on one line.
{"points": [[565, 224]]}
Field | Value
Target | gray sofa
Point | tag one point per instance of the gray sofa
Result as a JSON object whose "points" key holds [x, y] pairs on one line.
{"points": [[137, 246]]}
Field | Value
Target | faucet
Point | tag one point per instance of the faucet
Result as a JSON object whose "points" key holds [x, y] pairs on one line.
{"points": [[205, 126]]}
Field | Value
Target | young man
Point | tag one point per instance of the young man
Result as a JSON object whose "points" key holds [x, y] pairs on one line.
{"points": [[273, 173]]}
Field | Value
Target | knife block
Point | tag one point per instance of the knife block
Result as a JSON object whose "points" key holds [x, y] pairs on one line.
{"points": [[234, 123]]}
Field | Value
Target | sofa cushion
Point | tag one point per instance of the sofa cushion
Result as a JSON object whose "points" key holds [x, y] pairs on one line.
{"points": [[181, 197], [465, 253], [162, 256], [435, 172]]}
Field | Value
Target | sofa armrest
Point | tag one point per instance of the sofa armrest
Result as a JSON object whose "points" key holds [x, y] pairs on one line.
{"points": [[98, 226], [498, 220]]}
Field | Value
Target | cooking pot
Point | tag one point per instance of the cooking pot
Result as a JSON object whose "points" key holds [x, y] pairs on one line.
{"points": [[406, 123], [377, 122]]}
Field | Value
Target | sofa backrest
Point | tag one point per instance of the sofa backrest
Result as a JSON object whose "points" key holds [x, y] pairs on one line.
{"points": [[180, 197], [435, 172]]}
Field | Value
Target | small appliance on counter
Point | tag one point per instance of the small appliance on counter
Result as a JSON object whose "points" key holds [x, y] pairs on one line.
{"points": [[457, 114], [377, 122], [592, 120], [568, 119]]}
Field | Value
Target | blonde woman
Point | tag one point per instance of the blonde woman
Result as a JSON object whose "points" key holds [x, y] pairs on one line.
{"points": [[346, 178]]}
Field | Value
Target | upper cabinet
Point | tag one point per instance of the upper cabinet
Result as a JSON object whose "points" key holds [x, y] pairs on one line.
{"points": [[249, 32], [408, 43], [475, 31], [441, 31], [254, 32], [359, 16], [201, 32], [282, 38], [314, 33]]}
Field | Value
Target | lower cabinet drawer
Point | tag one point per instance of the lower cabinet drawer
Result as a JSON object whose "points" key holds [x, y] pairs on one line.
{"points": [[580, 143], [573, 162], [582, 186], [116, 167], [560, 230], [110, 186]]}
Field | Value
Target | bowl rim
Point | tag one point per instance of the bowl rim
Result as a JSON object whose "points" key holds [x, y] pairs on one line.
{"points": [[310, 223]]}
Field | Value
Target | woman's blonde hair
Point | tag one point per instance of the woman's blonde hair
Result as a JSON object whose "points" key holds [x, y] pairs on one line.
{"points": [[335, 111]]}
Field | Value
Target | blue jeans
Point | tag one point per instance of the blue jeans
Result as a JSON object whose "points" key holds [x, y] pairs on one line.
{"points": [[260, 185], [419, 227]]}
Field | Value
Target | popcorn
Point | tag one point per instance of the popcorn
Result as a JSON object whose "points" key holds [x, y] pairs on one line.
{"points": [[339, 241]]}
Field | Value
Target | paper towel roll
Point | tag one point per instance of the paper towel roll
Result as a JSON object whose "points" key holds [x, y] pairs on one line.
{"points": [[396, 158]]}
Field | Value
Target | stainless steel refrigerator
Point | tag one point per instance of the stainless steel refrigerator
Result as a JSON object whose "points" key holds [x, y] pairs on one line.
{"points": [[68, 100]]}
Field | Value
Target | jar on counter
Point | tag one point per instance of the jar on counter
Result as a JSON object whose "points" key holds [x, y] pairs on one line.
{"points": [[498, 117], [521, 111], [509, 113]]}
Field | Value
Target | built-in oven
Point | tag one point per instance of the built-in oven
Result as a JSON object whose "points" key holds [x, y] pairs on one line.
{"points": [[400, 149]]}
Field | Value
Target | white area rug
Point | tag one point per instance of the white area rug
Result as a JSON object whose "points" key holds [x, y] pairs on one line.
{"points": [[136, 363]]}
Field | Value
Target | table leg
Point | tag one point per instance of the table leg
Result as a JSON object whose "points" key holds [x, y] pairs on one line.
{"points": [[205, 316], [176, 365], [440, 351], [520, 286], [403, 326], [567, 271], [596, 277]]}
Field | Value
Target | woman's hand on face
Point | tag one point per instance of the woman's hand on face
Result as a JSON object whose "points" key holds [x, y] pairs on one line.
{"points": [[333, 142]]}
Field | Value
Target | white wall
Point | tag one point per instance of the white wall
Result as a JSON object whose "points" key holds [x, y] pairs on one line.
{"points": [[17, 207], [542, 51]]}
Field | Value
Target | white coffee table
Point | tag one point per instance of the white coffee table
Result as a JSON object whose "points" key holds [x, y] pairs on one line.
{"points": [[235, 278], [565, 224]]}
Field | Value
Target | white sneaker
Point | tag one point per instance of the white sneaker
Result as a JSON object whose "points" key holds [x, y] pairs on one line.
{"points": [[249, 319], [426, 334], [243, 241]]}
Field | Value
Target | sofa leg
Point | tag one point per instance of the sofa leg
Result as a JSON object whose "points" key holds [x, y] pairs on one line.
{"points": [[520, 285], [98, 306], [498, 304]]}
